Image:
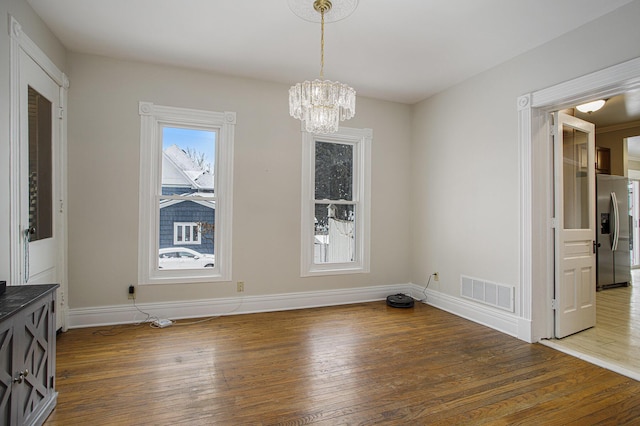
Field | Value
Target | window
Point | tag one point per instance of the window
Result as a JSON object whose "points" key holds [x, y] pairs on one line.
{"points": [[186, 159], [186, 233], [336, 207]]}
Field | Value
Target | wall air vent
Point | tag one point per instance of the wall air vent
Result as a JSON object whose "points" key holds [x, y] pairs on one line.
{"points": [[487, 292]]}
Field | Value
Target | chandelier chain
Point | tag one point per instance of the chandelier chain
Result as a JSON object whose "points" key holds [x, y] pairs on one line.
{"points": [[322, 45]]}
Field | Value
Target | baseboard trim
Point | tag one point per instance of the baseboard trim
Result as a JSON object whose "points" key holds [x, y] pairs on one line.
{"points": [[129, 314], [498, 320]]}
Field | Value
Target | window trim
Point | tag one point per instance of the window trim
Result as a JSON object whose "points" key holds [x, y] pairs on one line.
{"points": [[361, 140], [185, 225], [152, 119]]}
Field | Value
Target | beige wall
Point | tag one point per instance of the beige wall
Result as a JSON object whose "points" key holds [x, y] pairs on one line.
{"points": [[615, 141], [104, 132], [465, 158], [35, 29], [445, 175]]}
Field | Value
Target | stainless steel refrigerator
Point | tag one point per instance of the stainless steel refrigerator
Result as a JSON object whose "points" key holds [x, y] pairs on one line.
{"points": [[613, 232]]}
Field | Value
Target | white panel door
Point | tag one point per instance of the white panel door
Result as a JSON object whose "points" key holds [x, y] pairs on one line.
{"points": [[575, 275], [39, 130]]}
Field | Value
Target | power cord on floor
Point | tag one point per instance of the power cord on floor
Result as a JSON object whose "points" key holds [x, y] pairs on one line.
{"points": [[157, 322], [424, 290], [211, 317]]}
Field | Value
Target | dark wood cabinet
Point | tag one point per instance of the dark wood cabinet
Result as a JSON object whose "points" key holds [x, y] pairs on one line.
{"points": [[27, 354], [603, 160]]}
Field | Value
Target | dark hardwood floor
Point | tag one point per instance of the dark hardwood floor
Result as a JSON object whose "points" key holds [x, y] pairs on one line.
{"points": [[353, 364]]}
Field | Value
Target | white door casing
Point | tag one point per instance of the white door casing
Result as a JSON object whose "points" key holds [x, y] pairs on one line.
{"points": [[43, 260], [575, 276]]}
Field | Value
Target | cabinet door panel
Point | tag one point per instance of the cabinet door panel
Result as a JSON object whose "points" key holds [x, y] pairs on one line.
{"points": [[6, 370], [34, 354]]}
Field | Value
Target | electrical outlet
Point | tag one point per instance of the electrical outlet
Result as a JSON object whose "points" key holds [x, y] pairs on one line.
{"points": [[132, 292], [436, 277], [240, 288]]}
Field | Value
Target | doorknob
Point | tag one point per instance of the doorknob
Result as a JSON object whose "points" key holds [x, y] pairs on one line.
{"points": [[21, 376]]}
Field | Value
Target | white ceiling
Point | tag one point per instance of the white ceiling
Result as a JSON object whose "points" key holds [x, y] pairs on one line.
{"points": [[402, 50]]}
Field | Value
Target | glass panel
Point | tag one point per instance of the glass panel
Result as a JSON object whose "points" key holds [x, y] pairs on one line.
{"points": [[334, 233], [40, 166], [575, 178], [186, 231], [194, 244], [188, 159], [334, 171]]}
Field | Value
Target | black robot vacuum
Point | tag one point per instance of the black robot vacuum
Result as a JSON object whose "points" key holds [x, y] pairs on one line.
{"points": [[400, 301]]}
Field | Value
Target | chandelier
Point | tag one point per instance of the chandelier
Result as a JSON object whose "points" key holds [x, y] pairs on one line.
{"points": [[321, 104]]}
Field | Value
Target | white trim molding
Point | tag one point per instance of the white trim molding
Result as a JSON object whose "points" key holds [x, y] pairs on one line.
{"points": [[361, 140], [130, 314], [152, 118]]}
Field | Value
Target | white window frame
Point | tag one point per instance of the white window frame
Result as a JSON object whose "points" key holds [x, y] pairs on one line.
{"points": [[182, 226], [361, 140], [152, 119]]}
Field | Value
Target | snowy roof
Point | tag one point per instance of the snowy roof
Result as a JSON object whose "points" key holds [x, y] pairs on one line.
{"points": [[178, 169]]}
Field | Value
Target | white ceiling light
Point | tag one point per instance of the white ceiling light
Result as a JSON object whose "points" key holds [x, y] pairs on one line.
{"points": [[322, 104], [590, 107]]}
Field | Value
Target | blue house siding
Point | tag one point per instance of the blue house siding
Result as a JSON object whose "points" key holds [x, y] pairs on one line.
{"points": [[173, 190], [186, 211]]}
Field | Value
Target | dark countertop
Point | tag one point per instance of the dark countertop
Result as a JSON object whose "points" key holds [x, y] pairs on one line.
{"points": [[18, 296]]}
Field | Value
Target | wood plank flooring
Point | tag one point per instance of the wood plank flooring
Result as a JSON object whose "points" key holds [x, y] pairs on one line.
{"points": [[615, 340], [354, 364]]}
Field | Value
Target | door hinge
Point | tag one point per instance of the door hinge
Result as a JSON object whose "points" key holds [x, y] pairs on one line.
{"points": [[554, 222], [60, 113], [554, 304]]}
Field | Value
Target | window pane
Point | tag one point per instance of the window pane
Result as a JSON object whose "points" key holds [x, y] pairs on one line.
{"points": [[575, 179], [334, 233], [188, 156], [334, 171], [40, 161]]}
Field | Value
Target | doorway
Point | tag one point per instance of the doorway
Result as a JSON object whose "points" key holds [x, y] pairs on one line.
{"points": [[612, 343], [38, 172], [537, 234]]}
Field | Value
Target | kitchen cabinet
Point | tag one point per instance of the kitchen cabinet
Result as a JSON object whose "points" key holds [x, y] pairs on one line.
{"points": [[27, 354], [603, 160]]}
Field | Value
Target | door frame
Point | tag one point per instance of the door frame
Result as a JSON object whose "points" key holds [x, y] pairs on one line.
{"points": [[22, 44], [536, 185]]}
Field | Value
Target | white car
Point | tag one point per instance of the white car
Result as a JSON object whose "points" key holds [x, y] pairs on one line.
{"points": [[184, 258]]}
